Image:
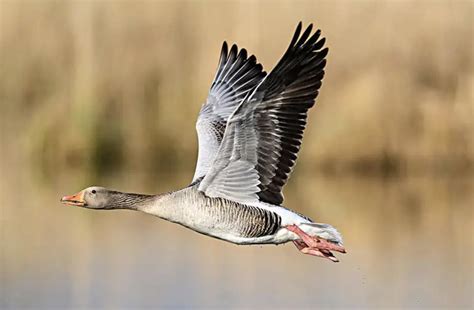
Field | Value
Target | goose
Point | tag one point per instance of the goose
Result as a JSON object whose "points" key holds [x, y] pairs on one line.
{"points": [[249, 130]]}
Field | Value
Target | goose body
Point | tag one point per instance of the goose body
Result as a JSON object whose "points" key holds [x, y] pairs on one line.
{"points": [[257, 223], [250, 131]]}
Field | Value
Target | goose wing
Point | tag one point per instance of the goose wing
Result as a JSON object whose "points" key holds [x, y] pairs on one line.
{"points": [[264, 133], [236, 76]]}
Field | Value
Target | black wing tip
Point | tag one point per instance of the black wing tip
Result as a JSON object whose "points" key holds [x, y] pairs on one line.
{"points": [[299, 27], [224, 54], [224, 49], [296, 35], [233, 50], [306, 39], [242, 54], [324, 52], [257, 66], [319, 45], [305, 35]]}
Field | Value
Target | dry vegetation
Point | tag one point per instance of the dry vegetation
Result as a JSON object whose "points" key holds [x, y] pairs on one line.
{"points": [[102, 85]]}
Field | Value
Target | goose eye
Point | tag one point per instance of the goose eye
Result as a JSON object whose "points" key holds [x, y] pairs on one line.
{"points": [[93, 191]]}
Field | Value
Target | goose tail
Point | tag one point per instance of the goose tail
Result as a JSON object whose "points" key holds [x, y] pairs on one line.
{"points": [[324, 231]]}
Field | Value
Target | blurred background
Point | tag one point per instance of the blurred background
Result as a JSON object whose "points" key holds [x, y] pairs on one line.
{"points": [[107, 93]]}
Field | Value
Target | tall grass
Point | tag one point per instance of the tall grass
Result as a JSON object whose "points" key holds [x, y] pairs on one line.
{"points": [[98, 85]]}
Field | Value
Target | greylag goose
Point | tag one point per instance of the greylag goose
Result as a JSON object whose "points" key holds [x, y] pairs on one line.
{"points": [[250, 130]]}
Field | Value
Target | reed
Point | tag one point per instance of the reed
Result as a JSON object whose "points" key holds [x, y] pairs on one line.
{"points": [[101, 85]]}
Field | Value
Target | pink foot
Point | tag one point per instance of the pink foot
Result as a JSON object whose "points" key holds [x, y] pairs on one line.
{"points": [[314, 245]]}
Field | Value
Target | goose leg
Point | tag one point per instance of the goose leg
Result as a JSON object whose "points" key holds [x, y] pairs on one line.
{"points": [[314, 252], [314, 245]]}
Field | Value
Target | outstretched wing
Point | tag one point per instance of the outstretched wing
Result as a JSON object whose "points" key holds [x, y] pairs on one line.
{"points": [[236, 76], [264, 134]]}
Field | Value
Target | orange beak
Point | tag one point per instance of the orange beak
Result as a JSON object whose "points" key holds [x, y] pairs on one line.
{"points": [[74, 200]]}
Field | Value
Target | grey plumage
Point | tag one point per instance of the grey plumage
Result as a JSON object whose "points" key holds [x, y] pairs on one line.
{"points": [[119, 200], [214, 216]]}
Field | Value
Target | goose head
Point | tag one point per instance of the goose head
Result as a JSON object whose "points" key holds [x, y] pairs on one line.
{"points": [[93, 197], [96, 197]]}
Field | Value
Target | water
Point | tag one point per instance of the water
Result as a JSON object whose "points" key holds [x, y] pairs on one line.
{"points": [[409, 243]]}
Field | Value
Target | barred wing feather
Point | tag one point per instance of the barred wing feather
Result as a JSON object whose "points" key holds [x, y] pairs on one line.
{"points": [[263, 135], [236, 76]]}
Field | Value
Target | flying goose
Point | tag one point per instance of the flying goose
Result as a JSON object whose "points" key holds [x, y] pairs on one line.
{"points": [[250, 130]]}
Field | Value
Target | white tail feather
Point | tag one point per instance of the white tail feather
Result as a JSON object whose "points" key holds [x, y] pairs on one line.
{"points": [[324, 231]]}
